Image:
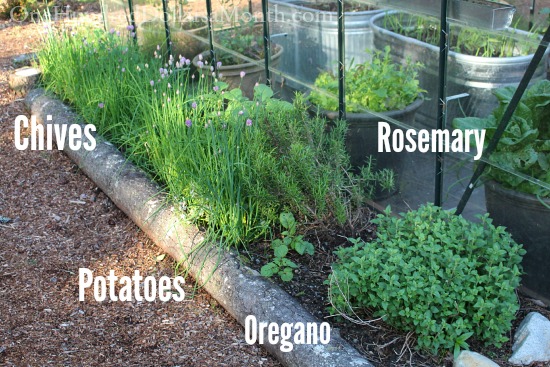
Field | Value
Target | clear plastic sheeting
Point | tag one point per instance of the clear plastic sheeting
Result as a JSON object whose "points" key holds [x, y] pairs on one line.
{"points": [[116, 14]]}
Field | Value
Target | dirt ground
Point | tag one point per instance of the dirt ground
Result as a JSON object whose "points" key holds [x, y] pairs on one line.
{"points": [[60, 222]]}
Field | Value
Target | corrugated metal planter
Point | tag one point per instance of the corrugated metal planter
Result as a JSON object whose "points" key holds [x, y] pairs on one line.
{"points": [[312, 40], [474, 75], [528, 220], [362, 138]]}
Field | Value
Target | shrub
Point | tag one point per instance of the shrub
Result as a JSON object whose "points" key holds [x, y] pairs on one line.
{"points": [[433, 273]]}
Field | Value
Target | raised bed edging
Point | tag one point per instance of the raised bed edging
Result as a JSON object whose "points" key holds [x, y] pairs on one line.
{"points": [[241, 290]]}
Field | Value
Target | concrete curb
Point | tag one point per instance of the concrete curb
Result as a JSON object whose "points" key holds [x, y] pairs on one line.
{"points": [[240, 290]]}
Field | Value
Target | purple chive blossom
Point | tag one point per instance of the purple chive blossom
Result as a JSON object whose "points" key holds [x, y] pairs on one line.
{"points": [[248, 122], [200, 64], [187, 62], [242, 74], [152, 82], [101, 105], [112, 31], [133, 34], [216, 88], [130, 28], [219, 64], [118, 33], [188, 123], [123, 70], [194, 105]]}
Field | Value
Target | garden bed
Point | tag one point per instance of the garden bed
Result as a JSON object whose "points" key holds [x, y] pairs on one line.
{"points": [[241, 163]]}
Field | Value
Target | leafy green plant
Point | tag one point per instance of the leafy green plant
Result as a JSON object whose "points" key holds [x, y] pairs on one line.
{"points": [[434, 273], [243, 38], [378, 85], [280, 264], [525, 144], [465, 40]]}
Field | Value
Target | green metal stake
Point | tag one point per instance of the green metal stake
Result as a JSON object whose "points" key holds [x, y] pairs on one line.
{"points": [[341, 62], [132, 18], [166, 26], [267, 43], [442, 99], [211, 34]]}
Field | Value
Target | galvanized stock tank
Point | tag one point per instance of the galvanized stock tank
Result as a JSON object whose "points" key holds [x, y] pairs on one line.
{"points": [[474, 75], [311, 44]]}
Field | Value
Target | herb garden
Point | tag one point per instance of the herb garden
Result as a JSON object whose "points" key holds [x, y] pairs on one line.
{"points": [[263, 133]]}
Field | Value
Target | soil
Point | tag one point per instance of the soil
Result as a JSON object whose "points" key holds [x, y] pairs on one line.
{"points": [[59, 221]]}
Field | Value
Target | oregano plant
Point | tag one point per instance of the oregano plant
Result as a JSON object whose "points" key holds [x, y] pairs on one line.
{"points": [[434, 273]]}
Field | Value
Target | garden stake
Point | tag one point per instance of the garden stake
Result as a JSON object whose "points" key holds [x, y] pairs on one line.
{"points": [[132, 18], [103, 14], [166, 27], [341, 62], [442, 91], [267, 43], [537, 57], [211, 34]]}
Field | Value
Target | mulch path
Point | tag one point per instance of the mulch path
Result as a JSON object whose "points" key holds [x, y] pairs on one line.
{"points": [[60, 222]]}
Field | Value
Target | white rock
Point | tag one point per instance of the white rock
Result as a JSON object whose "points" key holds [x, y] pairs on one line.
{"points": [[473, 359], [532, 340]]}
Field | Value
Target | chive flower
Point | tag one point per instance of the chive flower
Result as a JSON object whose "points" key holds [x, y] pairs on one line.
{"points": [[248, 122], [188, 123], [100, 105]]}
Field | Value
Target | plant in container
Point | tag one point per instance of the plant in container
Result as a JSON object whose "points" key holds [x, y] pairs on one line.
{"points": [[378, 86], [514, 198], [479, 61], [311, 27], [243, 39]]}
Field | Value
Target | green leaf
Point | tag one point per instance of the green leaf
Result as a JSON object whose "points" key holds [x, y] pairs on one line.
{"points": [[304, 247], [280, 251], [287, 220], [269, 269], [262, 92], [286, 275], [234, 95]]}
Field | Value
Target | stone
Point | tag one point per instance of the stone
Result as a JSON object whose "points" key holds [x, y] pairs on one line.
{"points": [[473, 359], [23, 79], [531, 340], [24, 59]]}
